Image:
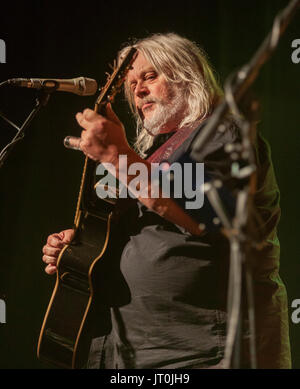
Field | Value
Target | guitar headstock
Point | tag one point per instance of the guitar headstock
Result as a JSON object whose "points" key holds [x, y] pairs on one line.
{"points": [[115, 81]]}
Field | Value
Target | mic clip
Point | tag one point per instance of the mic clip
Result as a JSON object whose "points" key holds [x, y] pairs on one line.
{"points": [[49, 86]]}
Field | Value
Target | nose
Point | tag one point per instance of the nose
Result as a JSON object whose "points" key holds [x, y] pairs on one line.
{"points": [[141, 90]]}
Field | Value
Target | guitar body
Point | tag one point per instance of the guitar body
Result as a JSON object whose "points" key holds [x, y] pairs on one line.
{"points": [[67, 327], [79, 308]]}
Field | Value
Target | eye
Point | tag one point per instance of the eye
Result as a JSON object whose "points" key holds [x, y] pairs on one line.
{"points": [[150, 76], [132, 86]]}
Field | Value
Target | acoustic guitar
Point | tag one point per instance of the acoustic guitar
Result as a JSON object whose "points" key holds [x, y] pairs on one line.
{"points": [[67, 327]]}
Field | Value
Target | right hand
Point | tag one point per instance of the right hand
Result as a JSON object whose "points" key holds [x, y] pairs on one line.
{"points": [[53, 247]]}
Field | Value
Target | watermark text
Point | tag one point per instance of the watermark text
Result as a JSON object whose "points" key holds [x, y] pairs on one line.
{"points": [[2, 311], [296, 313], [137, 180], [2, 51], [296, 53]]}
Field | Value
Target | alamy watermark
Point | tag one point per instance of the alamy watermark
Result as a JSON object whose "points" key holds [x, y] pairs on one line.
{"points": [[296, 53], [2, 311], [2, 51], [296, 313], [181, 181]]}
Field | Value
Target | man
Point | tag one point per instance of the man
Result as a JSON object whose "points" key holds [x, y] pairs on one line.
{"points": [[174, 261]]}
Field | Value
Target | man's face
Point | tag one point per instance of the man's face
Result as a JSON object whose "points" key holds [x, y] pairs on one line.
{"points": [[159, 103]]}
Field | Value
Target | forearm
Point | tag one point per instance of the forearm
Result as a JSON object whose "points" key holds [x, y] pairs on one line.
{"points": [[144, 188]]}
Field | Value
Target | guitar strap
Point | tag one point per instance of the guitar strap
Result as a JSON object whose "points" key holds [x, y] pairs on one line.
{"points": [[172, 144], [159, 155]]}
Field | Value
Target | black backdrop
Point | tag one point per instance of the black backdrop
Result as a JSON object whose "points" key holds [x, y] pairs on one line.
{"points": [[40, 180]]}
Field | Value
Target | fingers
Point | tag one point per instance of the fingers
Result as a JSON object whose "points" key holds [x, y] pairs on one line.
{"points": [[51, 251], [100, 133], [50, 269], [53, 247], [67, 235], [87, 118], [89, 114], [50, 254], [49, 259], [54, 240]]}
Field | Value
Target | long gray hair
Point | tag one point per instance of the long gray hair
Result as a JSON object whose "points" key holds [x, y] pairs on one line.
{"points": [[180, 61]]}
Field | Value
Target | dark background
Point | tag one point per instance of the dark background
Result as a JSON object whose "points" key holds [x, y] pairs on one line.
{"points": [[39, 182]]}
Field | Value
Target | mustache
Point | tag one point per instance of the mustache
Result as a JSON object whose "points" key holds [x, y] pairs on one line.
{"points": [[147, 99]]}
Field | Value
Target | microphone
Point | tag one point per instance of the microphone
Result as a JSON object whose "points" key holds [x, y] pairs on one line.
{"points": [[80, 86]]}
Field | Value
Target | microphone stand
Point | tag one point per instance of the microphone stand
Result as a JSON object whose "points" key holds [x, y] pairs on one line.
{"points": [[243, 170], [41, 101]]}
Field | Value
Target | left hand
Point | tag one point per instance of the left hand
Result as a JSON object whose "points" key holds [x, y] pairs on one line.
{"points": [[103, 138]]}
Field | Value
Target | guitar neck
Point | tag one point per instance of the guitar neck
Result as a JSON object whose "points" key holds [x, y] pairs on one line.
{"points": [[87, 199]]}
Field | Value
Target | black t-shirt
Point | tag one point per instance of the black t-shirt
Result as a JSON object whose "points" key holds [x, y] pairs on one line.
{"points": [[174, 312]]}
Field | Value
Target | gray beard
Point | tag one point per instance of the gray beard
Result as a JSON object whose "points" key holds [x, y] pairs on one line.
{"points": [[165, 112]]}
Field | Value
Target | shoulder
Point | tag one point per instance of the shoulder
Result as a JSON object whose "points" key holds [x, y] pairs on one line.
{"points": [[227, 133]]}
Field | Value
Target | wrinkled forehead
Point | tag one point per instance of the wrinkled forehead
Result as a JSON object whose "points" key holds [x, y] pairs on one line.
{"points": [[139, 68]]}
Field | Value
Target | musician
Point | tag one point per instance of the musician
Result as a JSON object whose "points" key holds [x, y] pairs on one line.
{"points": [[174, 261]]}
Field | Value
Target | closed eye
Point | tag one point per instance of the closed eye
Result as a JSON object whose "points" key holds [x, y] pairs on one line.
{"points": [[150, 76], [132, 86]]}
